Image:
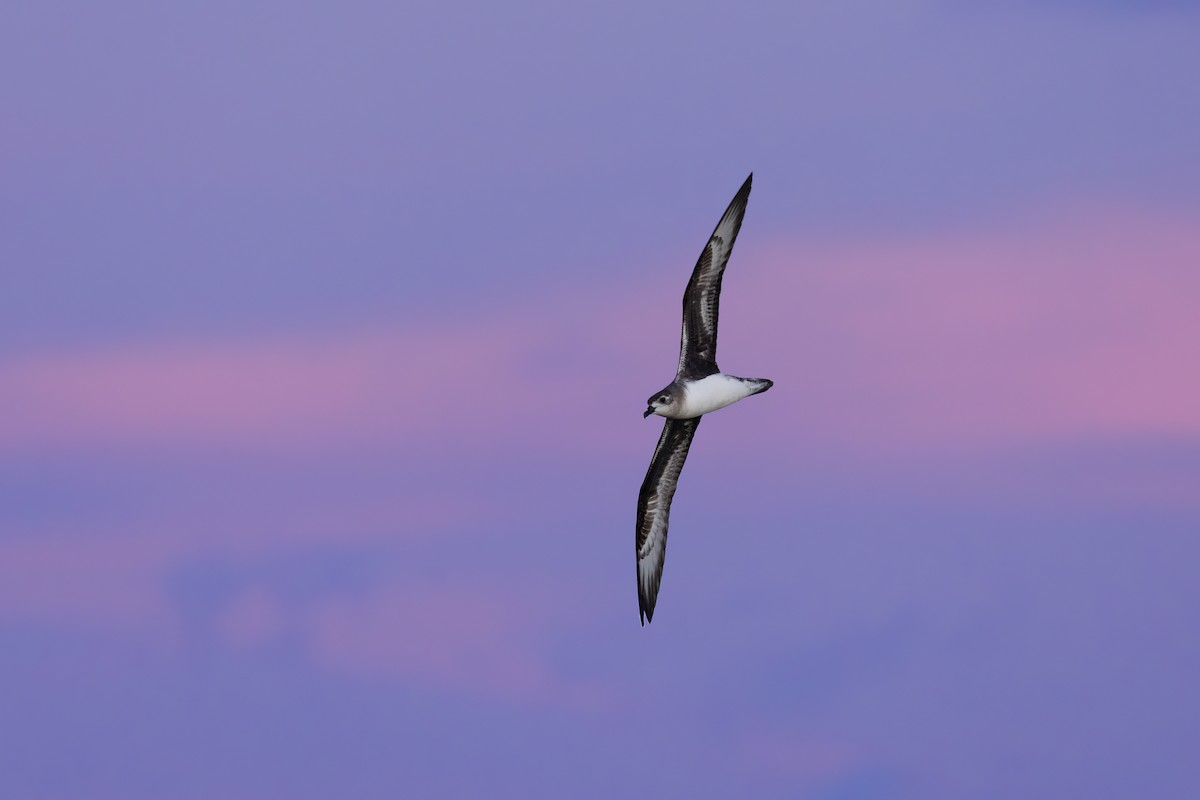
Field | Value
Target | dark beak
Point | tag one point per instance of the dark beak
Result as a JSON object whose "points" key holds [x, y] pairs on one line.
{"points": [[649, 411]]}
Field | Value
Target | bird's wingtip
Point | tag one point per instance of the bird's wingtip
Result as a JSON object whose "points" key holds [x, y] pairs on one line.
{"points": [[743, 193], [645, 609]]}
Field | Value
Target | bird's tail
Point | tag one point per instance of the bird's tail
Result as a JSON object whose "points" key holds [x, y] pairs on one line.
{"points": [[760, 385]]}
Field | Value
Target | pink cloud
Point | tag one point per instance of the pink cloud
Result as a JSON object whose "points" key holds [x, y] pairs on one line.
{"points": [[482, 640], [113, 576], [806, 759], [253, 618], [101, 582], [1069, 327], [476, 639], [306, 390], [414, 386], [1079, 328]]}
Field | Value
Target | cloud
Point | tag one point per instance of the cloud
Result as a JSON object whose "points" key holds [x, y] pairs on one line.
{"points": [[1073, 326], [235, 575], [254, 617], [107, 582], [795, 756], [1076, 328], [479, 639], [477, 380], [281, 391], [113, 574]]}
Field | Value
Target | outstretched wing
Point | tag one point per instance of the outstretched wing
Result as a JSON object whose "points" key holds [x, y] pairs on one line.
{"points": [[654, 508], [698, 343]]}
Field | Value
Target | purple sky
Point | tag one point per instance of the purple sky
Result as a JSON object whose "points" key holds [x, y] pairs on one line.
{"points": [[324, 339]]}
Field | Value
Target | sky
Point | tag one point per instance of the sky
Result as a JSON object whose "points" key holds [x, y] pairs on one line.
{"points": [[325, 332]]}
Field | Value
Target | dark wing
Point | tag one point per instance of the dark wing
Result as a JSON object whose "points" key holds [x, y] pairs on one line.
{"points": [[698, 344], [654, 508]]}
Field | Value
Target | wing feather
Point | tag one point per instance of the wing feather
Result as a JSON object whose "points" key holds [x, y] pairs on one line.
{"points": [[654, 508], [701, 300]]}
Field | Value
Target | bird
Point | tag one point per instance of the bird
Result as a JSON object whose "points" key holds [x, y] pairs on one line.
{"points": [[699, 388]]}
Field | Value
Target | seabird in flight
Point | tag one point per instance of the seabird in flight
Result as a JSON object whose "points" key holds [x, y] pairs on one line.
{"points": [[699, 387]]}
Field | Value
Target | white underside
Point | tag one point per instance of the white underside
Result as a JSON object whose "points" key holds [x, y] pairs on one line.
{"points": [[716, 391]]}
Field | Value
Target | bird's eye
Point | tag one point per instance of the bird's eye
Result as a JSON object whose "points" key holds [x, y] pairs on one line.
{"points": [[662, 399]]}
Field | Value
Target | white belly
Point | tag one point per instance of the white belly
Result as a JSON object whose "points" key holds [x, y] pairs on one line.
{"points": [[715, 391]]}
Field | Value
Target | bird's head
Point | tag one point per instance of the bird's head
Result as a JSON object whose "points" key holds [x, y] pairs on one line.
{"points": [[666, 403]]}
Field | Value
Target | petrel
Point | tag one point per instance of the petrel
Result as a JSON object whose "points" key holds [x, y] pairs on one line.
{"points": [[699, 387]]}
